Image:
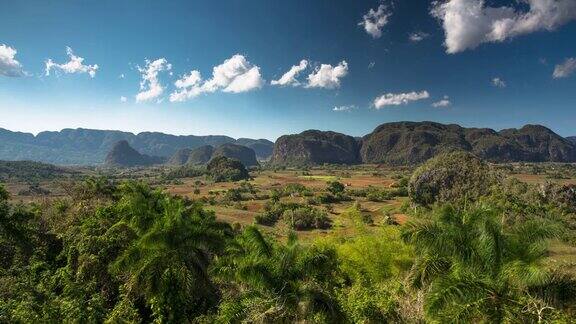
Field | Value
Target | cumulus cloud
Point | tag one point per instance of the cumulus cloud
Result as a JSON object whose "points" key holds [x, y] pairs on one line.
{"points": [[234, 75], [469, 23], [444, 102], [499, 83], [418, 36], [150, 87], [123, 99], [371, 65], [289, 78], [189, 86], [9, 66], [75, 65], [375, 20], [327, 76], [344, 108], [397, 99], [565, 69]]}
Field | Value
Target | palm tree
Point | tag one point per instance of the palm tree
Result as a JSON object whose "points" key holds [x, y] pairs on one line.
{"points": [[168, 264], [474, 268], [277, 282]]}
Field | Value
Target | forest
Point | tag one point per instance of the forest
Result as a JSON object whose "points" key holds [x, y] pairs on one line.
{"points": [[475, 244]]}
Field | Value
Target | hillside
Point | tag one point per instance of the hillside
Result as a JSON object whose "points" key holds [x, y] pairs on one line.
{"points": [[408, 143], [89, 146], [411, 142], [32, 171], [415, 142], [180, 157], [198, 156], [233, 151], [316, 147], [262, 147], [123, 155]]}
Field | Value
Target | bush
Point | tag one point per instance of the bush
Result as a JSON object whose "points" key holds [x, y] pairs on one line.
{"points": [[273, 211], [306, 218], [335, 188], [453, 177], [296, 188], [233, 194]]}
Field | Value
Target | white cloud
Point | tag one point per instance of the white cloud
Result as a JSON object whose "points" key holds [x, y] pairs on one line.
{"points": [[327, 76], [375, 20], [371, 65], [234, 75], [469, 23], [397, 99], [75, 65], [344, 108], [123, 99], [289, 78], [189, 86], [9, 66], [444, 102], [498, 82], [150, 87], [418, 36], [121, 76], [565, 69]]}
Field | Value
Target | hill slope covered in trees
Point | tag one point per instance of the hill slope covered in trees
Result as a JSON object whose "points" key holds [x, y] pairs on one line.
{"points": [[408, 143]]}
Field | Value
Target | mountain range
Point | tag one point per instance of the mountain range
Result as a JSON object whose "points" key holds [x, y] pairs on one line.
{"points": [[398, 143], [90, 147], [408, 143]]}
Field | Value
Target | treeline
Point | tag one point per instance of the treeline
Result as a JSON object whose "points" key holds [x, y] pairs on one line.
{"points": [[119, 253]]}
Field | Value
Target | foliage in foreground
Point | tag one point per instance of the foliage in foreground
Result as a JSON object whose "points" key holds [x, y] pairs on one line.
{"points": [[130, 253], [474, 268]]}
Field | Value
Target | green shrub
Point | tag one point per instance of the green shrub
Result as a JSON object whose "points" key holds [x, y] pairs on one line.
{"points": [[306, 218], [273, 211], [294, 188], [336, 188], [233, 194]]}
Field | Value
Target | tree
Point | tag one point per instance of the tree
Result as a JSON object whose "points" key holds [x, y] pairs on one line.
{"points": [[168, 264], [472, 267], [222, 169], [457, 177], [277, 282]]}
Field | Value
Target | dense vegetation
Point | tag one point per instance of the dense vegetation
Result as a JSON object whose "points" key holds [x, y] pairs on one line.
{"points": [[474, 250], [31, 171]]}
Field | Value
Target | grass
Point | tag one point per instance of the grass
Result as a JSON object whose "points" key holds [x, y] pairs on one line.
{"points": [[320, 177]]}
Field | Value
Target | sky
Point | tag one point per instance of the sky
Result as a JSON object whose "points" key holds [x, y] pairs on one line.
{"points": [[261, 68]]}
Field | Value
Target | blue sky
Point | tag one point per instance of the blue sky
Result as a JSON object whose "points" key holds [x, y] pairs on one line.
{"points": [[506, 65]]}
